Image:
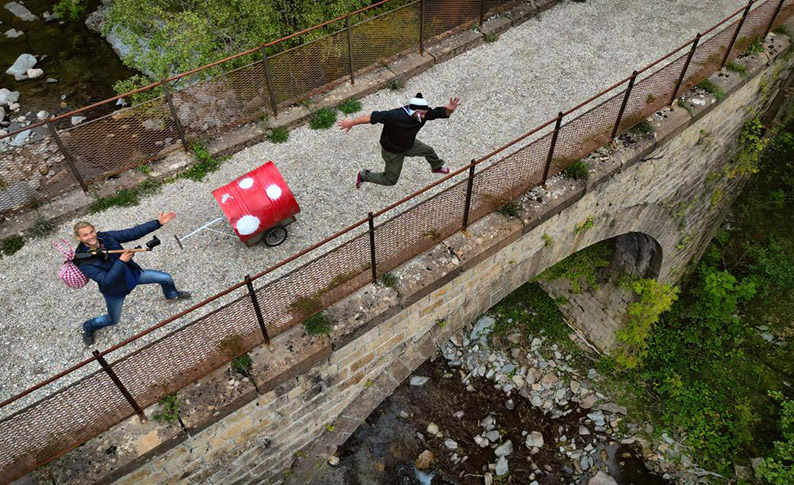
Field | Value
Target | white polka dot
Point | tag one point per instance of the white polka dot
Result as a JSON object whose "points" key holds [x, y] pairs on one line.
{"points": [[246, 183], [247, 225], [274, 192]]}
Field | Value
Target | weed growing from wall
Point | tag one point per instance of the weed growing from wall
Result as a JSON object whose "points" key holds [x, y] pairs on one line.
{"points": [[654, 299], [581, 268]]}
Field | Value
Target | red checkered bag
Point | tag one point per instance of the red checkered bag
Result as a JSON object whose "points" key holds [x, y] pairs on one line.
{"points": [[69, 272]]}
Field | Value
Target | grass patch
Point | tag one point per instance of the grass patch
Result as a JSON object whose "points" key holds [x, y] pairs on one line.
{"points": [[734, 66], [306, 306], [350, 106], [589, 223], [169, 409], [688, 107], [531, 311], [712, 88], [122, 198], [490, 37], [396, 83], [581, 268], [11, 245], [41, 228], [644, 127], [547, 240], [323, 119], [509, 209], [206, 164], [389, 281], [242, 364], [782, 30], [577, 171], [318, 324], [279, 135]]}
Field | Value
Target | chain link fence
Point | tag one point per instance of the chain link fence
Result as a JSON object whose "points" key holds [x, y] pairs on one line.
{"points": [[64, 418]]}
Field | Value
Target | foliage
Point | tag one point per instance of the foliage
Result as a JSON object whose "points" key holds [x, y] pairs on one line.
{"points": [[489, 37], [778, 468], [169, 409], [577, 171], [650, 99], [172, 36], [350, 106], [306, 306], [279, 135], [754, 45], [751, 145], [68, 9], [734, 66], [509, 209], [688, 107], [242, 364], [712, 88], [547, 240], [441, 323], [122, 198], [135, 82], [528, 310], [389, 281], [654, 299], [644, 127], [205, 165], [41, 228], [580, 266], [11, 245], [396, 83], [589, 223], [322, 119], [318, 324]]}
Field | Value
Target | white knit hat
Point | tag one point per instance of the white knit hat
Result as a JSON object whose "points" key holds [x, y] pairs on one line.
{"points": [[418, 102]]}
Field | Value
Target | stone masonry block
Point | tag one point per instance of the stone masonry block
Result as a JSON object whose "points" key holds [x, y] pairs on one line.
{"points": [[411, 65], [455, 45], [496, 25]]}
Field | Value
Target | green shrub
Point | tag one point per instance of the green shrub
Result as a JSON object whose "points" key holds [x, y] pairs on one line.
{"points": [[205, 165], [68, 9], [589, 223], [11, 245], [577, 171], [242, 364], [688, 107], [509, 209], [389, 281], [122, 198], [323, 119], [490, 37], [778, 468], [644, 127], [736, 67], [279, 135], [396, 83], [580, 267], [350, 106], [41, 228], [318, 324]]}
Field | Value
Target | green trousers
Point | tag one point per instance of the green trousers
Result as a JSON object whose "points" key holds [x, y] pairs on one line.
{"points": [[394, 164]]}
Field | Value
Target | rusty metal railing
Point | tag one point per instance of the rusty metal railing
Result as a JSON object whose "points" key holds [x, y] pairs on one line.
{"points": [[67, 416]]}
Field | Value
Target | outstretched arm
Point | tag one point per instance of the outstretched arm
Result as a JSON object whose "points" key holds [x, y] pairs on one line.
{"points": [[348, 124]]}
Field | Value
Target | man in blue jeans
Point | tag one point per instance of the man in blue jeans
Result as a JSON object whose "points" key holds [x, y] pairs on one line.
{"points": [[117, 274]]}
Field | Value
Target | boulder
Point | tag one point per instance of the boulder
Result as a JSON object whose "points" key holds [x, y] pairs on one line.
{"points": [[602, 478], [34, 73], [424, 460], [21, 12], [8, 97], [21, 65], [14, 33], [501, 467], [534, 440]]}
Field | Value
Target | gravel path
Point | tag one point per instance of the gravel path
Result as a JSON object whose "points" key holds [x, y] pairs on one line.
{"points": [[548, 64]]}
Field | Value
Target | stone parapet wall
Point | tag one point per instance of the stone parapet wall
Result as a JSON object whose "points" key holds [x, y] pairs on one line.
{"points": [[307, 395]]}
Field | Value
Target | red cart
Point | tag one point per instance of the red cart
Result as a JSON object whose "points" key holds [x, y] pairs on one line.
{"points": [[258, 205]]}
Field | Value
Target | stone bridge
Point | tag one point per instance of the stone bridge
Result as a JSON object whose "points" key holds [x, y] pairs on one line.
{"points": [[658, 198]]}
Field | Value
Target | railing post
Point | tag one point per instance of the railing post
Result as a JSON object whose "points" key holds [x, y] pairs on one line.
{"points": [[774, 16], [350, 49], [118, 383], [686, 66], [551, 147], [181, 132], [269, 81], [736, 33], [372, 261], [482, 13], [422, 26], [257, 310], [67, 157], [467, 206], [623, 105]]}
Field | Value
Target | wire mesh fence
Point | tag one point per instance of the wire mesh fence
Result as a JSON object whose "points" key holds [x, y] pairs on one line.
{"points": [[68, 417]]}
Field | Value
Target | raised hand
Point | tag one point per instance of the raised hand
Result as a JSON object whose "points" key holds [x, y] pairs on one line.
{"points": [[345, 125], [164, 217], [453, 105]]}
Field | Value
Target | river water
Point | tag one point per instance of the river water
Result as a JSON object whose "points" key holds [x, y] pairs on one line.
{"points": [[81, 60]]}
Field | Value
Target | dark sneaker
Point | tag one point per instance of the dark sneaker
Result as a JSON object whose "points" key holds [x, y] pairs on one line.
{"points": [[181, 295], [88, 338], [359, 180], [443, 170]]}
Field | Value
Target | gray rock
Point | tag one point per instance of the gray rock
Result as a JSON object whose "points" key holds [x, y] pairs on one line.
{"points": [[451, 444], [483, 327], [510, 405], [505, 449], [34, 73], [52, 80], [583, 431], [507, 368], [597, 417], [458, 414], [613, 408], [21, 12], [493, 436], [419, 380], [487, 422], [501, 467], [592, 374], [575, 386], [42, 115], [333, 460], [14, 33], [588, 401], [602, 478], [20, 67], [534, 440], [585, 463], [432, 429], [76, 120], [20, 139]]}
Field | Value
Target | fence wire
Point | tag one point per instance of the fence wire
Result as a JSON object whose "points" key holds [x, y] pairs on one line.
{"points": [[72, 415]]}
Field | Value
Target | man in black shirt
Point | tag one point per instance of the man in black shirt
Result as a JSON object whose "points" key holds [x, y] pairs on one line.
{"points": [[398, 139]]}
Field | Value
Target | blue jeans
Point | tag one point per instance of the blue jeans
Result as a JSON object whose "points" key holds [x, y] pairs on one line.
{"points": [[114, 303]]}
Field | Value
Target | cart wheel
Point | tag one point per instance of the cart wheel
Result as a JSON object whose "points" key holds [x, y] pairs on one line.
{"points": [[275, 236]]}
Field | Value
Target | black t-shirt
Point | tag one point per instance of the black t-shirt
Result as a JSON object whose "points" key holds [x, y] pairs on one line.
{"points": [[399, 129]]}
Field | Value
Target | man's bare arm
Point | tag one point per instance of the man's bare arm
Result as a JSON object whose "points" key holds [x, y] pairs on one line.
{"points": [[348, 124]]}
